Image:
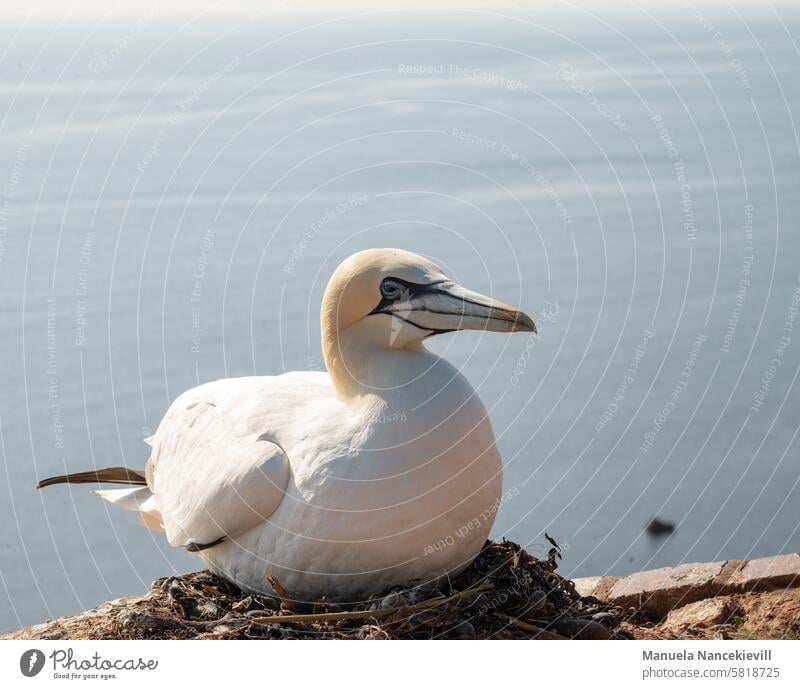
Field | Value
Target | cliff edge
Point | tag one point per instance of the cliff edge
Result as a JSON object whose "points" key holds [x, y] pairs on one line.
{"points": [[505, 593]]}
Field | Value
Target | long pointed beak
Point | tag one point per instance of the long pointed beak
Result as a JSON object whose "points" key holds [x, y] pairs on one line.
{"points": [[446, 306]]}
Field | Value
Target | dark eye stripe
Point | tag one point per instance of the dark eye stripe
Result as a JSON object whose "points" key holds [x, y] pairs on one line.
{"points": [[413, 289]]}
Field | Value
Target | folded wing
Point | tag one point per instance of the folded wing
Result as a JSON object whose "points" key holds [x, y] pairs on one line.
{"points": [[213, 477]]}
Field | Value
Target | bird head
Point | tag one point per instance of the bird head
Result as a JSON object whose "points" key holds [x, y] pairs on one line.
{"points": [[397, 299]]}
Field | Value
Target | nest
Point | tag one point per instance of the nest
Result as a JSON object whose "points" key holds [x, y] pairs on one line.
{"points": [[505, 593]]}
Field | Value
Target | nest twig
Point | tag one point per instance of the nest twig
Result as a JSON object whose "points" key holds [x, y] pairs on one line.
{"points": [[504, 593]]}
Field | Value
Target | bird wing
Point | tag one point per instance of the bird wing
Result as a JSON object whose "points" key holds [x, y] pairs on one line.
{"points": [[214, 476], [139, 499]]}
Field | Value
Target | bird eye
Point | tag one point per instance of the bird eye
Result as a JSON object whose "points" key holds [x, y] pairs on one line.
{"points": [[391, 289]]}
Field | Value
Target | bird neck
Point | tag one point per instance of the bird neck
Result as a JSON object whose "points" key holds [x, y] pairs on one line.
{"points": [[360, 363]]}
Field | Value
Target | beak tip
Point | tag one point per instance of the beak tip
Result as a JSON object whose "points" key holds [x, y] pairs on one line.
{"points": [[525, 324]]}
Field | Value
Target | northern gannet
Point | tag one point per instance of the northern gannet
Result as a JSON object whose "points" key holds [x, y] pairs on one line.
{"points": [[380, 472]]}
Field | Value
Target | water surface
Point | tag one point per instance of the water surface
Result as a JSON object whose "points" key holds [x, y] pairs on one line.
{"points": [[175, 196]]}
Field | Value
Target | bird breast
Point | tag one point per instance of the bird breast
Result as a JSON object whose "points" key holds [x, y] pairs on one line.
{"points": [[377, 485], [408, 457]]}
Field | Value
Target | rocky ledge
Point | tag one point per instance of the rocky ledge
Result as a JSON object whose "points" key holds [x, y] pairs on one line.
{"points": [[505, 593], [730, 599]]}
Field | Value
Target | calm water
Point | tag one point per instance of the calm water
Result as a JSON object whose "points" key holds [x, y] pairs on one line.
{"points": [[176, 195]]}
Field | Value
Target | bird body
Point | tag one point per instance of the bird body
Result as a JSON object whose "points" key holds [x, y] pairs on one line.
{"points": [[369, 495], [379, 472]]}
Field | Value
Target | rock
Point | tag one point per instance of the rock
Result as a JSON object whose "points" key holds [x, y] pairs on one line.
{"points": [[768, 572], [463, 630], [580, 629], [657, 591], [585, 586], [395, 599], [537, 599], [607, 619], [52, 636], [703, 613]]}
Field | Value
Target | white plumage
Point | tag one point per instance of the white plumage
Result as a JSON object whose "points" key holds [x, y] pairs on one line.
{"points": [[382, 471]]}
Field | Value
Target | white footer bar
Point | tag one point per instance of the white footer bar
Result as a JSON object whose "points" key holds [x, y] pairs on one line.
{"points": [[385, 664]]}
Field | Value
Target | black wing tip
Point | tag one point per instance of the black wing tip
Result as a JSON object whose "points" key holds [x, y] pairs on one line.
{"points": [[193, 547], [53, 480], [119, 475]]}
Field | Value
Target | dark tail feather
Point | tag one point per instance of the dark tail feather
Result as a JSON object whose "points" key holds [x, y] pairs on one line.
{"points": [[111, 475]]}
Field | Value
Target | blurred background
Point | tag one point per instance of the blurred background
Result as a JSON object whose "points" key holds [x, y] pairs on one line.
{"points": [[178, 181]]}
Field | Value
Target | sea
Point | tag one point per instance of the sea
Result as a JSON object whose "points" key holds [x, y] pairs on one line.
{"points": [[176, 191]]}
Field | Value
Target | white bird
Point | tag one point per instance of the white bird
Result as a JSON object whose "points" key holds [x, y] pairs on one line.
{"points": [[380, 472]]}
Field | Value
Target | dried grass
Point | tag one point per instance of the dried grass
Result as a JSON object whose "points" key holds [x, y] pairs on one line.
{"points": [[505, 593]]}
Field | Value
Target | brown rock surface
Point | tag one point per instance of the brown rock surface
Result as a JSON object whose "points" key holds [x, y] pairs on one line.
{"points": [[777, 571], [703, 613], [654, 593], [658, 591], [753, 615], [587, 585]]}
